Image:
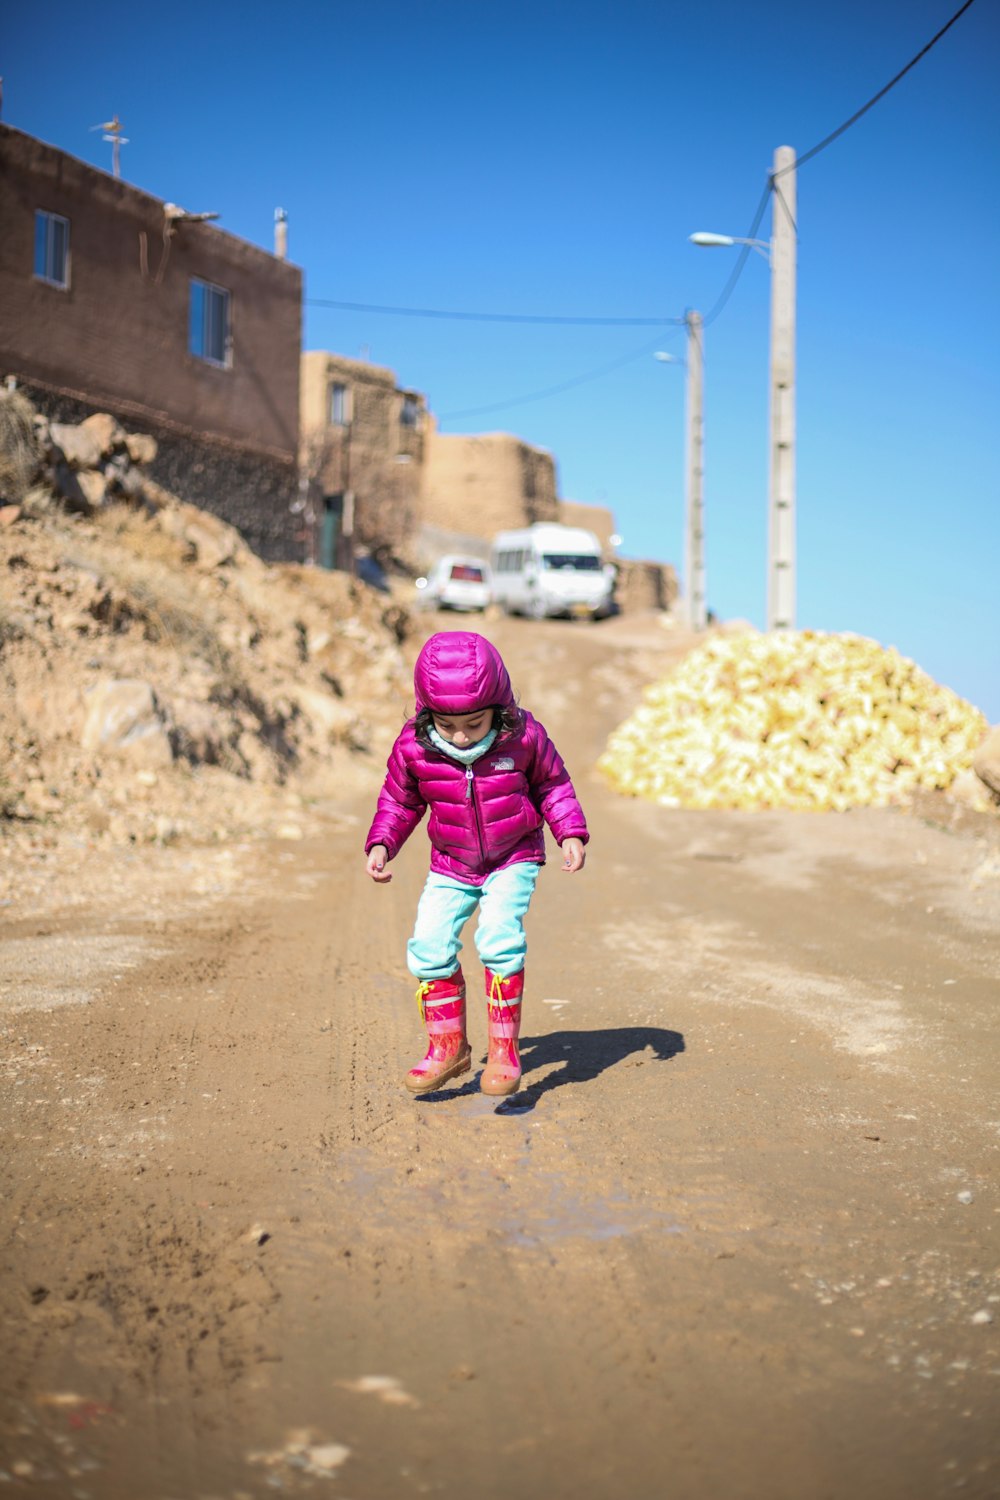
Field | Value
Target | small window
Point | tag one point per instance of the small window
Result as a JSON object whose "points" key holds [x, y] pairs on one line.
{"points": [[465, 573], [52, 248], [409, 412], [208, 332], [340, 406]]}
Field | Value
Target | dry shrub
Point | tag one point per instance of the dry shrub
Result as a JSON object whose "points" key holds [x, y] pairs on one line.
{"points": [[19, 454]]}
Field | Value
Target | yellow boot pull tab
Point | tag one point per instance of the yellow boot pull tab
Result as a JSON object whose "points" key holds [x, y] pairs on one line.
{"points": [[496, 995], [499, 1000], [422, 989]]}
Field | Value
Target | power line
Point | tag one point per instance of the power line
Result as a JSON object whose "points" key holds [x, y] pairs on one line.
{"points": [[773, 179], [741, 259], [556, 390], [772, 185], [490, 317], [828, 140]]}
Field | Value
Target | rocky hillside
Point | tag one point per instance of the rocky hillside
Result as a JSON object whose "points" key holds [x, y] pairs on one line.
{"points": [[158, 682]]}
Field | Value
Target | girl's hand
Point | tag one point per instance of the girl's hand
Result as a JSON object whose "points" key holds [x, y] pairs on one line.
{"points": [[378, 858], [574, 855]]}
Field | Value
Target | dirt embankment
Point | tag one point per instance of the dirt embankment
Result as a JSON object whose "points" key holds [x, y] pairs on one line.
{"points": [[161, 686]]}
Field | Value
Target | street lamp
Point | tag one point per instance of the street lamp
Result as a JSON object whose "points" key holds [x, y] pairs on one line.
{"points": [[780, 255], [763, 247], [694, 503]]}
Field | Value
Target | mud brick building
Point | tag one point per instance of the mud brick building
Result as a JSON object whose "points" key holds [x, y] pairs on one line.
{"points": [[370, 444], [363, 446], [380, 476], [487, 482], [112, 300]]}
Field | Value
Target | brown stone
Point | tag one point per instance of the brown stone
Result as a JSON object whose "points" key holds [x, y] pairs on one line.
{"points": [[123, 718], [9, 514], [105, 431], [124, 478], [80, 448], [141, 448], [213, 542], [94, 488], [986, 761]]}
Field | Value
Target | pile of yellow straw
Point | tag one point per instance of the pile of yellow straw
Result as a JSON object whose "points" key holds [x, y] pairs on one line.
{"points": [[794, 718]]}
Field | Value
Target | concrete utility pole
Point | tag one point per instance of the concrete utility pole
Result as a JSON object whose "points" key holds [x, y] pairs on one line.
{"points": [[694, 529], [781, 507]]}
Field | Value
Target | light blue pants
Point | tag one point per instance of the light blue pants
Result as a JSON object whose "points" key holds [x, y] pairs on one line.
{"points": [[446, 905]]}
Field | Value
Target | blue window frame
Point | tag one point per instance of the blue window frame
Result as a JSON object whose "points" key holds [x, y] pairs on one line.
{"points": [[340, 407], [208, 323], [51, 248]]}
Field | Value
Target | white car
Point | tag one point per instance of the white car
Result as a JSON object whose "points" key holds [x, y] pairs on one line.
{"points": [[457, 583]]}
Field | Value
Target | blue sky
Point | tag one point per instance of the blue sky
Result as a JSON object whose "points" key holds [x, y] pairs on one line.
{"points": [[552, 159]]}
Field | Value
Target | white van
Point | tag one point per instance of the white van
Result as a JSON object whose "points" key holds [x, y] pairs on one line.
{"points": [[549, 569]]}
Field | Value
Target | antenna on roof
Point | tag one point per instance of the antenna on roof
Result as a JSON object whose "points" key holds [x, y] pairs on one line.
{"points": [[113, 133]]}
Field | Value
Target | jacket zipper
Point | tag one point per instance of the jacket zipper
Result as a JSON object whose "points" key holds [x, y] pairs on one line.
{"points": [[470, 797]]}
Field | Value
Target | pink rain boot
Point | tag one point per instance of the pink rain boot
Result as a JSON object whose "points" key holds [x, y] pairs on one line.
{"points": [[442, 1008], [502, 1074]]}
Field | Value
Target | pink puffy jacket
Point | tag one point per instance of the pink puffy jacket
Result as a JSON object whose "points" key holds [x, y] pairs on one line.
{"points": [[488, 815]]}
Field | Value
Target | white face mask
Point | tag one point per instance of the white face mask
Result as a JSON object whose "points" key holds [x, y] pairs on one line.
{"points": [[466, 756]]}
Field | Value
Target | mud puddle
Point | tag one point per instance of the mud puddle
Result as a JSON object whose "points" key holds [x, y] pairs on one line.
{"points": [[377, 1195]]}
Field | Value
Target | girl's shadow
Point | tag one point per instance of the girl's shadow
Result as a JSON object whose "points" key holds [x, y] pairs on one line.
{"points": [[583, 1055]]}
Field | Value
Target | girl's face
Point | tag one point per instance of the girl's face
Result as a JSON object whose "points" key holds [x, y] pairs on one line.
{"points": [[463, 730]]}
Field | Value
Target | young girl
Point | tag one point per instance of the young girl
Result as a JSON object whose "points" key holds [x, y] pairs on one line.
{"points": [[489, 774]]}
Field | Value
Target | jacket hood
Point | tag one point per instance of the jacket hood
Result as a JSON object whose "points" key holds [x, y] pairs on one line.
{"points": [[458, 672]]}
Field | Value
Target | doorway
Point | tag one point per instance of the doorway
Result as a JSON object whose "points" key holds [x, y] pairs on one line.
{"points": [[331, 530]]}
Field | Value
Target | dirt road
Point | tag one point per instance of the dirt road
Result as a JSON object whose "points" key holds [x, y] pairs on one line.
{"points": [[737, 1237]]}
